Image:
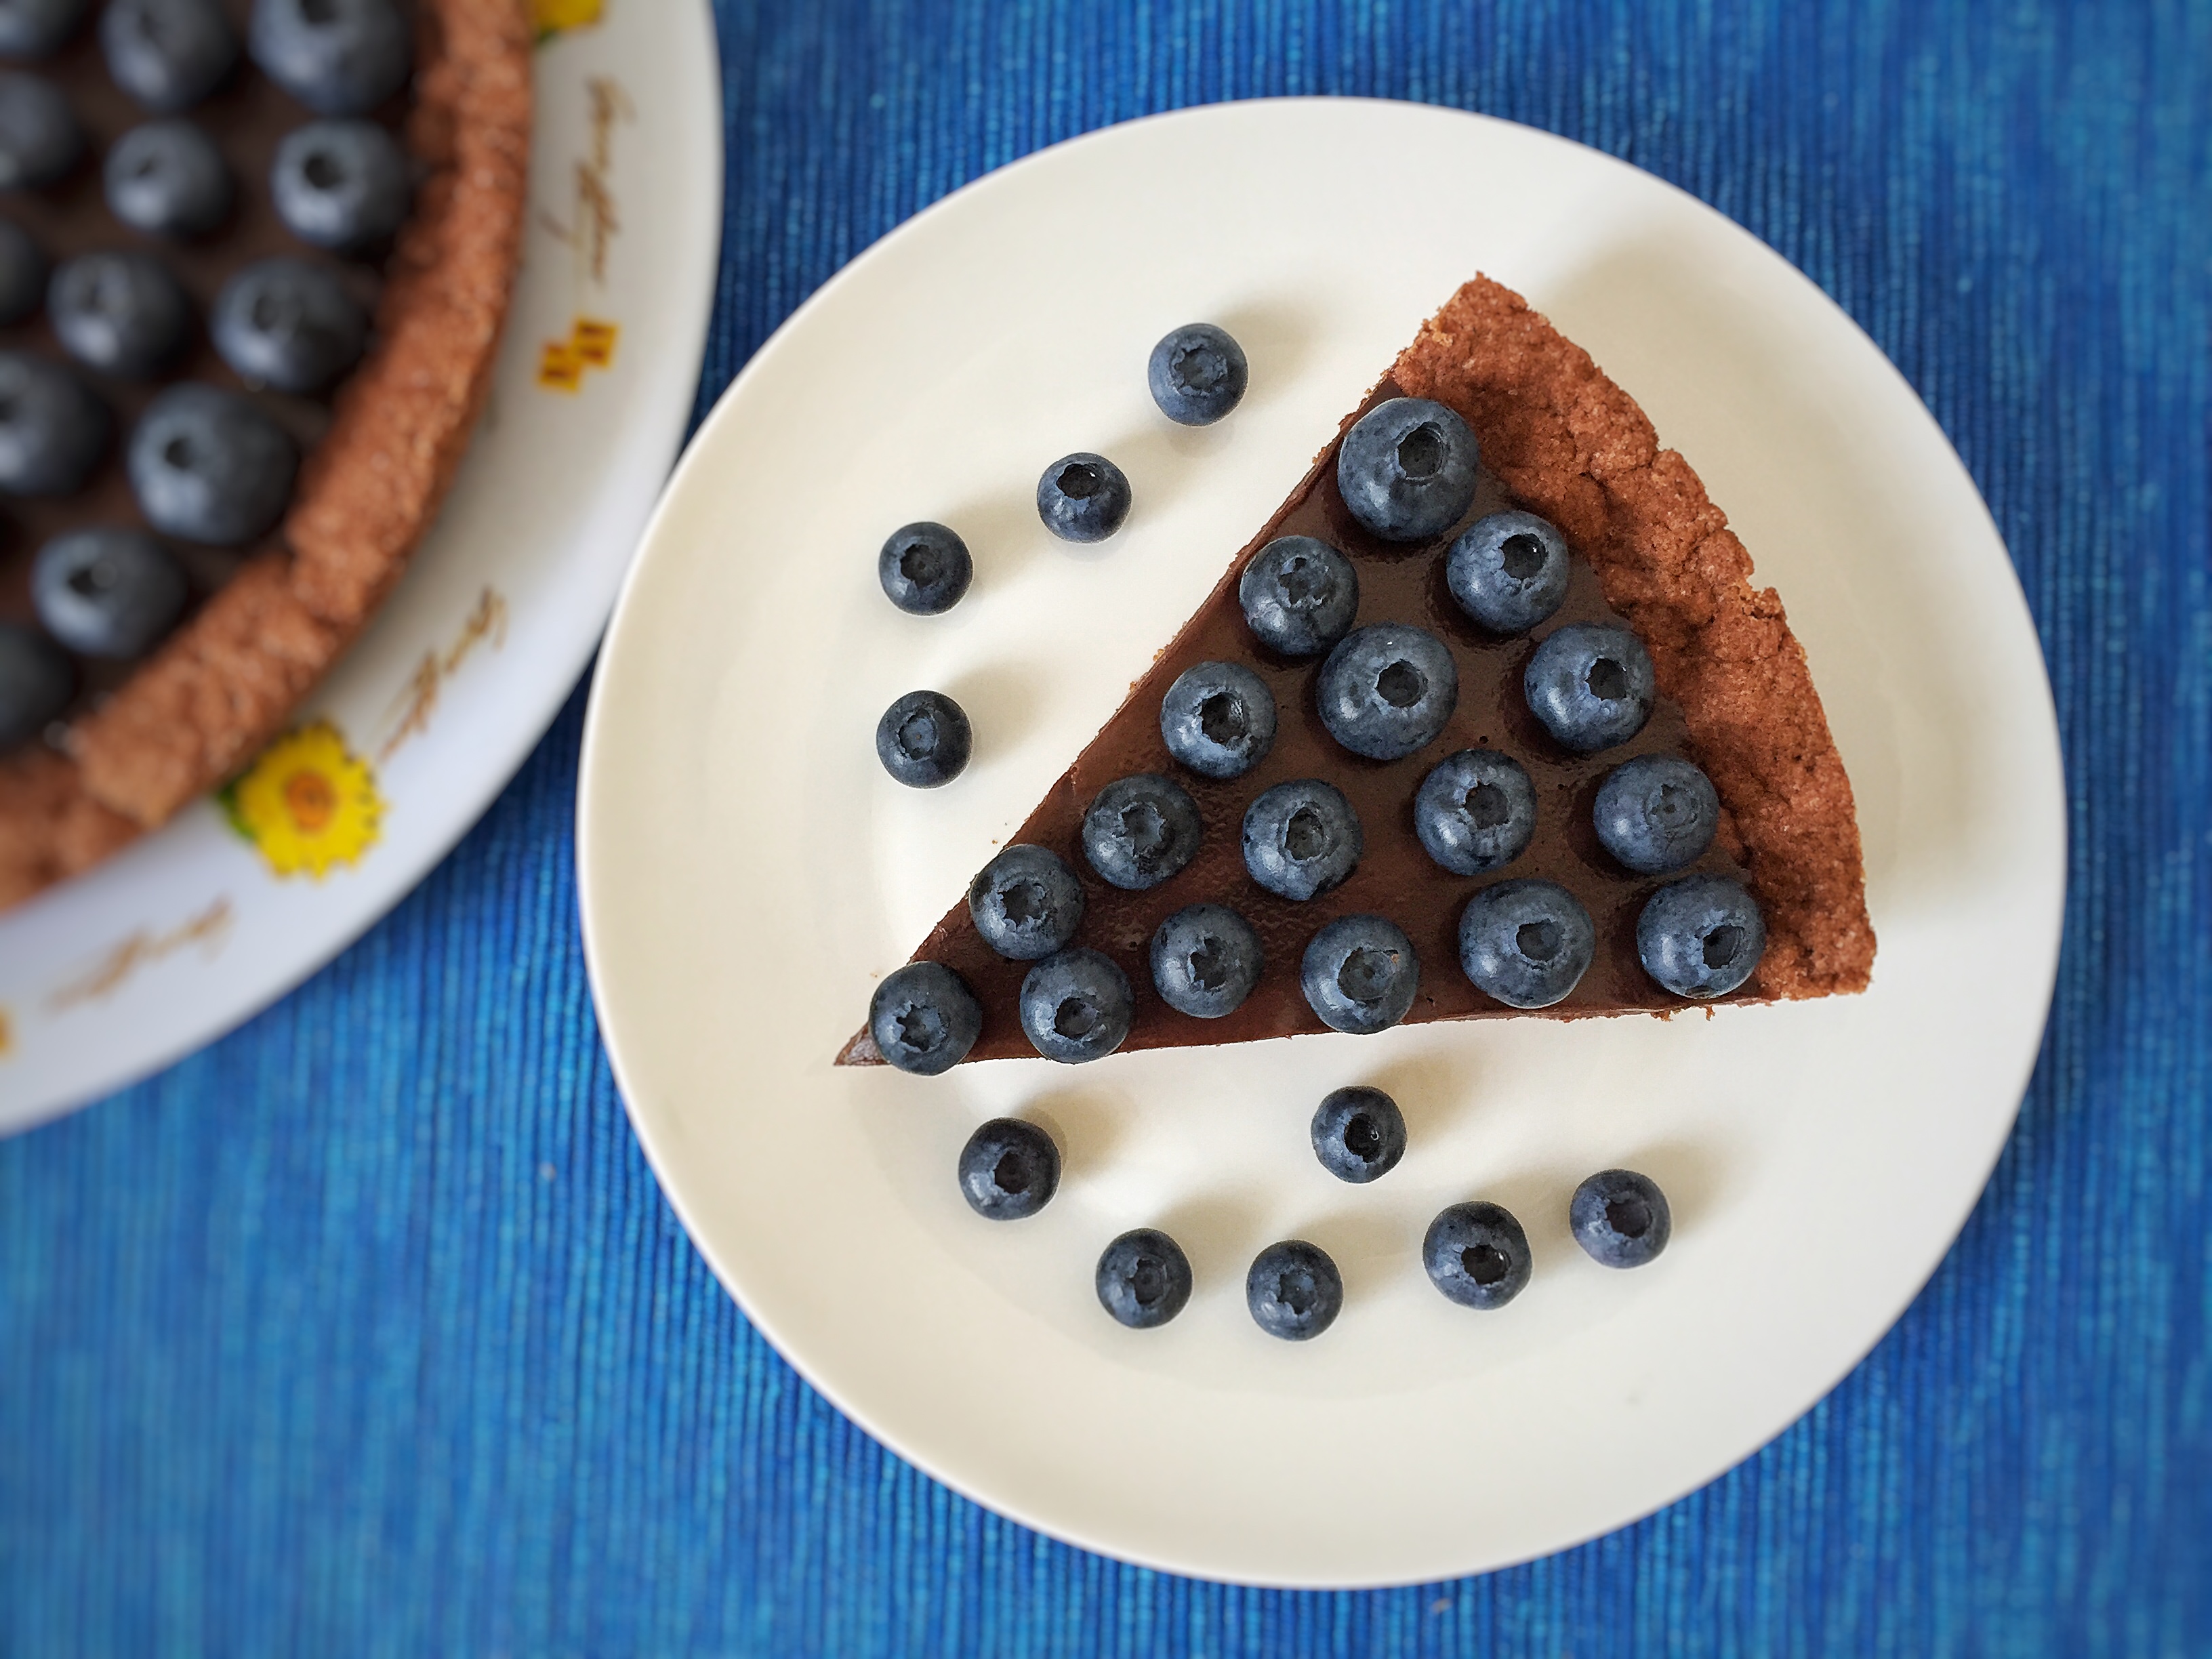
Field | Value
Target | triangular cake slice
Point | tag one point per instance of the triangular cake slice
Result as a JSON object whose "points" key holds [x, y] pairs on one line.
{"points": [[1648, 552]]}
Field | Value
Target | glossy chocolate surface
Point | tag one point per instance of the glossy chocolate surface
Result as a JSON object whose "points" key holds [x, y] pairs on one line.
{"points": [[247, 116], [1395, 876]]}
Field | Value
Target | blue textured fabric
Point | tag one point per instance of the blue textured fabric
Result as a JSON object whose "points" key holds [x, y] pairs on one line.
{"points": [[367, 1330]]}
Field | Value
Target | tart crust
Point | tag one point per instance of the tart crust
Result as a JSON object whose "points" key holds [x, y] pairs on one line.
{"points": [[226, 681], [1577, 449], [1565, 441]]}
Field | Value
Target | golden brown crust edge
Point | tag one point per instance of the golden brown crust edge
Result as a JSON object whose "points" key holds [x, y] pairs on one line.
{"points": [[224, 684], [1576, 448]]}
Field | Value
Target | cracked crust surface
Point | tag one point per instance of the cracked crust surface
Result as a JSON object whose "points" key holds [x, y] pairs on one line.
{"points": [[223, 685], [1577, 449]]}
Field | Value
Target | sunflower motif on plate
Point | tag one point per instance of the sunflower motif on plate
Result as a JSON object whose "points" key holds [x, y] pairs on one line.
{"points": [[309, 803]]}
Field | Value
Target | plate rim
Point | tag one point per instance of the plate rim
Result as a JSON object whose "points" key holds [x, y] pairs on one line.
{"points": [[395, 879], [596, 738]]}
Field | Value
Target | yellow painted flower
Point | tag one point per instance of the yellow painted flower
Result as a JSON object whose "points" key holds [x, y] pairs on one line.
{"points": [[307, 803], [551, 16]]}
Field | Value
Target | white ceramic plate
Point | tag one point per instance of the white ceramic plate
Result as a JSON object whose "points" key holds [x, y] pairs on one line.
{"points": [[107, 977], [748, 872]]}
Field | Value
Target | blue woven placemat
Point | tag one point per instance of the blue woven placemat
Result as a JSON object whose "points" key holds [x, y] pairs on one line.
{"points": [[367, 1330]]}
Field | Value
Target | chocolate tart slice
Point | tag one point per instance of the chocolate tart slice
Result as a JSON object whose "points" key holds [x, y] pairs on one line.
{"points": [[1649, 553], [266, 614]]}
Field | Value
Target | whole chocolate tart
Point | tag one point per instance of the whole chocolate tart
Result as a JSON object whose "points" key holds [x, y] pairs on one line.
{"points": [[1649, 552], [266, 620]]}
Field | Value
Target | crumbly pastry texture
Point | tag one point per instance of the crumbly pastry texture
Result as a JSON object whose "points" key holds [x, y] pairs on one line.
{"points": [[225, 684], [1575, 448]]}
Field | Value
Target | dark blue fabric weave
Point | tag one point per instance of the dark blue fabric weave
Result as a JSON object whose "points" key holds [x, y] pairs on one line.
{"points": [[367, 1330]]}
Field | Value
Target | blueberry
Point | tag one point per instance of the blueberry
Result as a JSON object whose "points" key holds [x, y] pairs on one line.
{"points": [[1477, 1254], [1408, 470], [1009, 1170], [35, 683], [923, 739], [1205, 960], [1140, 830], [336, 57], [1294, 1290], [53, 428], [107, 592], [1656, 814], [1082, 497], [167, 179], [1701, 936], [1507, 571], [1590, 685], [22, 273], [1301, 839], [32, 29], [1387, 689], [1621, 1218], [924, 1019], [1299, 596], [1360, 973], [208, 466], [1358, 1133], [924, 568], [1219, 719], [287, 323], [1026, 902], [1076, 1005], [167, 54], [39, 138], [340, 185], [1527, 942], [1143, 1279], [121, 314], [1197, 374], [1475, 811]]}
